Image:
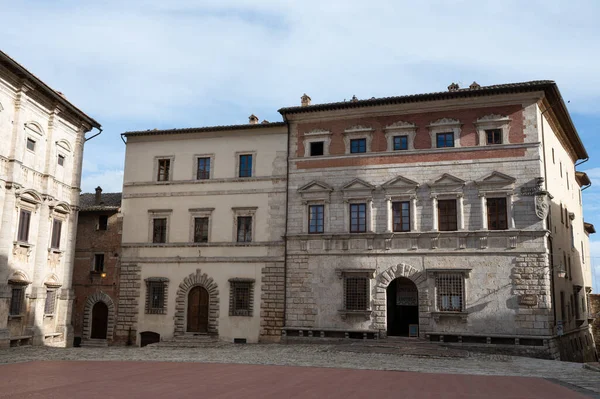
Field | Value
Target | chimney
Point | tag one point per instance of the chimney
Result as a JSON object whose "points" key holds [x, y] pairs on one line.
{"points": [[98, 195], [354, 99], [475, 86], [453, 87], [305, 100], [253, 119]]}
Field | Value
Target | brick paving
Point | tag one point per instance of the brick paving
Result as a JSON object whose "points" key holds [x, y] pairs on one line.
{"points": [[570, 376]]}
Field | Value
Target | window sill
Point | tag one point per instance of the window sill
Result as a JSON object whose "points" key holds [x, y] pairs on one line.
{"points": [[15, 317], [461, 315], [49, 316], [366, 314], [22, 244], [55, 250], [241, 315]]}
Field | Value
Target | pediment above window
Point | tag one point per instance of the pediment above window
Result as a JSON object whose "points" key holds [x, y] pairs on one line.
{"points": [[445, 122], [358, 129], [358, 188], [496, 180], [400, 185], [447, 183], [401, 125], [52, 281], [317, 132], [315, 190], [493, 118], [30, 196], [19, 277], [35, 128], [64, 144]]}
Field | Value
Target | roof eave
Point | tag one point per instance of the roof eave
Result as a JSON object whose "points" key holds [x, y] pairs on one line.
{"points": [[206, 129]]}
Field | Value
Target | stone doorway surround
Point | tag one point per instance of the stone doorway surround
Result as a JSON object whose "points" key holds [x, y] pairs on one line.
{"points": [[87, 314], [193, 280], [384, 279]]}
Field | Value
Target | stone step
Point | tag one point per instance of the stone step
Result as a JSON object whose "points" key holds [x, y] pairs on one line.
{"points": [[188, 341], [94, 343]]}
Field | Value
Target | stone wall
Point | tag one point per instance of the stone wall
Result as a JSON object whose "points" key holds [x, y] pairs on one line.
{"points": [[595, 312], [272, 302], [129, 301]]}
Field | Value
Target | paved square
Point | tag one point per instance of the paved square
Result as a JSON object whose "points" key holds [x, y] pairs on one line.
{"points": [[107, 379]]}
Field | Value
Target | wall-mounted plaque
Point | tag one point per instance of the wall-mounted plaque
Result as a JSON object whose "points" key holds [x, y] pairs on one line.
{"points": [[528, 300]]}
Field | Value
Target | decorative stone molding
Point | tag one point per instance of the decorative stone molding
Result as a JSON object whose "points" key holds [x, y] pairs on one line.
{"points": [[400, 128], [193, 280], [316, 135], [19, 277], [358, 132], [445, 125], [492, 121], [87, 314]]}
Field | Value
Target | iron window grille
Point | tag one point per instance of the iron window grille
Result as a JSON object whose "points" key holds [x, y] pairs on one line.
{"points": [[316, 218], [400, 143], [241, 297], [164, 169], [358, 218], [203, 172], [445, 140], [356, 293], [358, 146], [401, 216], [450, 292], [201, 229], [159, 231], [50, 304], [56, 232], [245, 165], [103, 222], [24, 222], [494, 136], [447, 215], [244, 229], [156, 295], [496, 214], [317, 148], [99, 263], [17, 299]]}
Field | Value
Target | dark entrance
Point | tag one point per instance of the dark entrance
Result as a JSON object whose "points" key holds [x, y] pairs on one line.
{"points": [[99, 320], [197, 313], [402, 306]]}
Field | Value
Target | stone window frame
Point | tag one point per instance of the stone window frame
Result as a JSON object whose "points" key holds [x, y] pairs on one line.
{"points": [[432, 275], [165, 286], [238, 154], [316, 135], [369, 275], [63, 148], [93, 263], [400, 128], [60, 213], [400, 189], [452, 188], [158, 214], [18, 280], [308, 205], [157, 158], [490, 122], [358, 132], [200, 213], [358, 195], [319, 196], [241, 211], [211, 157], [241, 282], [52, 285], [497, 185], [445, 125], [29, 201]]}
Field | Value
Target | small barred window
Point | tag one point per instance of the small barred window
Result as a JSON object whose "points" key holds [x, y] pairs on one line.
{"points": [[450, 292], [17, 300], [156, 295], [241, 296], [50, 304], [356, 293]]}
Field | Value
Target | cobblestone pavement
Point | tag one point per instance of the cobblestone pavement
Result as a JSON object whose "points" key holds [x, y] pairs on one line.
{"points": [[571, 375]]}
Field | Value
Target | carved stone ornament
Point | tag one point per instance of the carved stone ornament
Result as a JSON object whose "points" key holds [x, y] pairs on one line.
{"points": [[541, 206]]}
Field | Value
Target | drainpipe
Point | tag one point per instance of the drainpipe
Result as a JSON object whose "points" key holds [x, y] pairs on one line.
{"points": [[99, 131], [285, 238]]}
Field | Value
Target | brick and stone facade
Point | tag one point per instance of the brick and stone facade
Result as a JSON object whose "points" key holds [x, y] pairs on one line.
{"points": [[42, 136], [99, 232]]}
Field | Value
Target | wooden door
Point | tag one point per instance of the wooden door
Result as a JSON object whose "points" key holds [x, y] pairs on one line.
{"points": [[197, 313], [99, 320]]}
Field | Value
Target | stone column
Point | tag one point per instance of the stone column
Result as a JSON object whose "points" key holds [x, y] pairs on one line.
{"points": [[413, 213], [461, 212], [483, 202], [17, 146], [434, 216], [510, 210], [370, 215], [389, 215]]}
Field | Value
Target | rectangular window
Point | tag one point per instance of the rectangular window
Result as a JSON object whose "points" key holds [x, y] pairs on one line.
{"points": [[358, 218], [30, 144], [450, 292], [241, 297], [164, 169], [157, 296], [447, 216], [50, 302], [317, 148], [103, 222], [24, 221], [61, 160], [159, 231], [400, 143], [445, 140], [245, 165], [99, 263], [496, 214], [562, 215], [315, 218], [244, 229], [17, 298], [56, 230], [356, 293], [201, 229], [203, 172], [358, 146], [494, 136], [401, 216]]}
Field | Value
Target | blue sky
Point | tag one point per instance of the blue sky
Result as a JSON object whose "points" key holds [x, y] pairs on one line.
{"points": [[180, 63]]}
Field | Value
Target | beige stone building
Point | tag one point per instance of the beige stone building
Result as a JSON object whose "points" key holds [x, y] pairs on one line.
{"points": [[203, 223], [455, 216], [42, 136]]}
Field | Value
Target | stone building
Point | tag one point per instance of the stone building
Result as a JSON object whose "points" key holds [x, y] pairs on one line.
{"points": [[42, 136], [595, 316], [455, 216], [203, 223], [96, 272]]}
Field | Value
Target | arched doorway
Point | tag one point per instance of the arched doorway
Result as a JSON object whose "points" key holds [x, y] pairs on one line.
{"points": [[197, 310], [402, 306], [99, 321]]}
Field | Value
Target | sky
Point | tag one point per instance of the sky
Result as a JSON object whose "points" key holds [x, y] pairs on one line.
{"points": [[137, 65]]}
